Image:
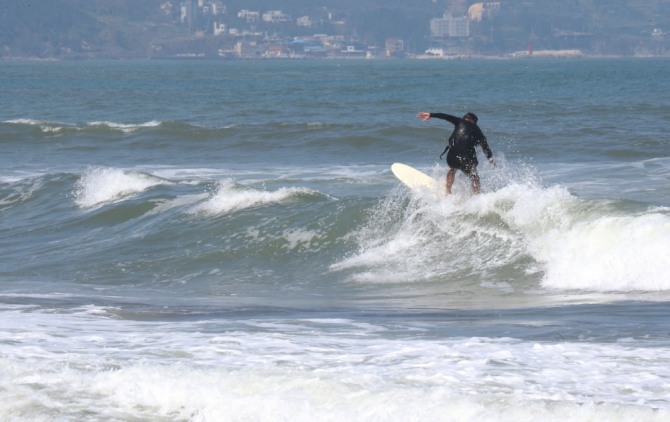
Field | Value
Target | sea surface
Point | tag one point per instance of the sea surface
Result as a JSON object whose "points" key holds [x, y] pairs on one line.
{"points": [[225, 241]]}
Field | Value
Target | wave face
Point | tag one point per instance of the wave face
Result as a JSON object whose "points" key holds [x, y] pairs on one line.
{"points": [[511, 233], [225, 241]]}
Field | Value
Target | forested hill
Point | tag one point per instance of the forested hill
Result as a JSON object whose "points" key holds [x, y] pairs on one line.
{"points": [[138, 28]]}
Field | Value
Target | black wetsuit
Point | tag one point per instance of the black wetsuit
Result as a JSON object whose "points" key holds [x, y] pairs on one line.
{"points": [[466, 136]]}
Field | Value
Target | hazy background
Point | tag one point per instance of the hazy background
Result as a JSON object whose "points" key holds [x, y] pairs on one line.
{"points": [[157, 28]]}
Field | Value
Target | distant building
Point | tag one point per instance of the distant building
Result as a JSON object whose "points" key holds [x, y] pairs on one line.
{"points": [[395, 47], [166, 7], [248, 15], [304, 21], [247, 49], [435, 52], [478, 11], [276, 50], [219, 29], [187, 11], [275, 16], [354, 50], [450, 26]]}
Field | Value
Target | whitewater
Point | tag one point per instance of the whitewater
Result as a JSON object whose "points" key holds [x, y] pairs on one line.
{"points": [[232, 245]]}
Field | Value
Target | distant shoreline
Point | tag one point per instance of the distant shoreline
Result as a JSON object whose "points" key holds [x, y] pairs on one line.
{"points": [[519, 55]]}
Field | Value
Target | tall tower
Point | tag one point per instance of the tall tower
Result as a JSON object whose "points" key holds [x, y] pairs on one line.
{"points": [[188, 15]]}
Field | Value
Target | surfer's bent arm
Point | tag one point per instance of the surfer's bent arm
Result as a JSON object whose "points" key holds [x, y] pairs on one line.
{"points": [[486, 148], [448, 117]]}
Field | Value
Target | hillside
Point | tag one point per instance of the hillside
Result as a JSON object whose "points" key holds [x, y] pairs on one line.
{"points": [[149, 28]]}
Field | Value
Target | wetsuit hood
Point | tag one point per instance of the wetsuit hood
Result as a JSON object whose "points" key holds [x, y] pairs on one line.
{"points": [[472, 117]]}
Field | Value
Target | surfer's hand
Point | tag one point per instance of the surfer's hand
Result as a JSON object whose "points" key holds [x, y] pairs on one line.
{"points": [[423, 116], [492, 162]]}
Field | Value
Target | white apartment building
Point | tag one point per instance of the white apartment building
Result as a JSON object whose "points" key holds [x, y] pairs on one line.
{"points": [[248, 15], [275, 16], [450, 26]]}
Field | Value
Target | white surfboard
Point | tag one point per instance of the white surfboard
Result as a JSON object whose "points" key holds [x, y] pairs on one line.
{"points": [[413, 178]]}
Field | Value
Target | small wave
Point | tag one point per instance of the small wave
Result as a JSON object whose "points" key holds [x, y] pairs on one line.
{"points": [[15, 191], [125, 128], [100, 185], [55, 127], [29, 122], [44, 126], [231, 197]]}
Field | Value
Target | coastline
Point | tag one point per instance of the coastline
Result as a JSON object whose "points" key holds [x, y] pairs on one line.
{"points": [[516, 55]]}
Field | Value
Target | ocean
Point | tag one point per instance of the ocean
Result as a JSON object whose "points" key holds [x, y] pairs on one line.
{"points": [[225, 241]]}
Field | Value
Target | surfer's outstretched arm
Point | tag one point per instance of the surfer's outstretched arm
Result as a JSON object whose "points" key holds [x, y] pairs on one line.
{"points": [[423, 116], [448, 117]]}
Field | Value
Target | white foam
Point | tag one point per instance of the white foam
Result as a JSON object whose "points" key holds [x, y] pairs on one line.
{"points": [[405, 255], [231, 197], [610, 254], [103, 185], [45, 126], [578, 244], [586, 245], [293, 369], [429, 237], [124, 127], [32, 122], [300, 237]]}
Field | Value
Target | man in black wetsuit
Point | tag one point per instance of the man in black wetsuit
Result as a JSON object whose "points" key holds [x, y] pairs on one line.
{"points": [[461, 154]]}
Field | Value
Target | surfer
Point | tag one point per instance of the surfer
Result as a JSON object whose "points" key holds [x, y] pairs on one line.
{"points": [[460, 150]]}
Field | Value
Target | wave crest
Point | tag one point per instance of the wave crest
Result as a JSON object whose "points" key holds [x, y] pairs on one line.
{"points": [[229, 196], [102, 185], [504, 235]]}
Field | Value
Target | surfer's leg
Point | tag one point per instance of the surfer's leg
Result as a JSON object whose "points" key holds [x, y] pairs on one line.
{"points": [[451, 174], [474, 177], [470, 169]]}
